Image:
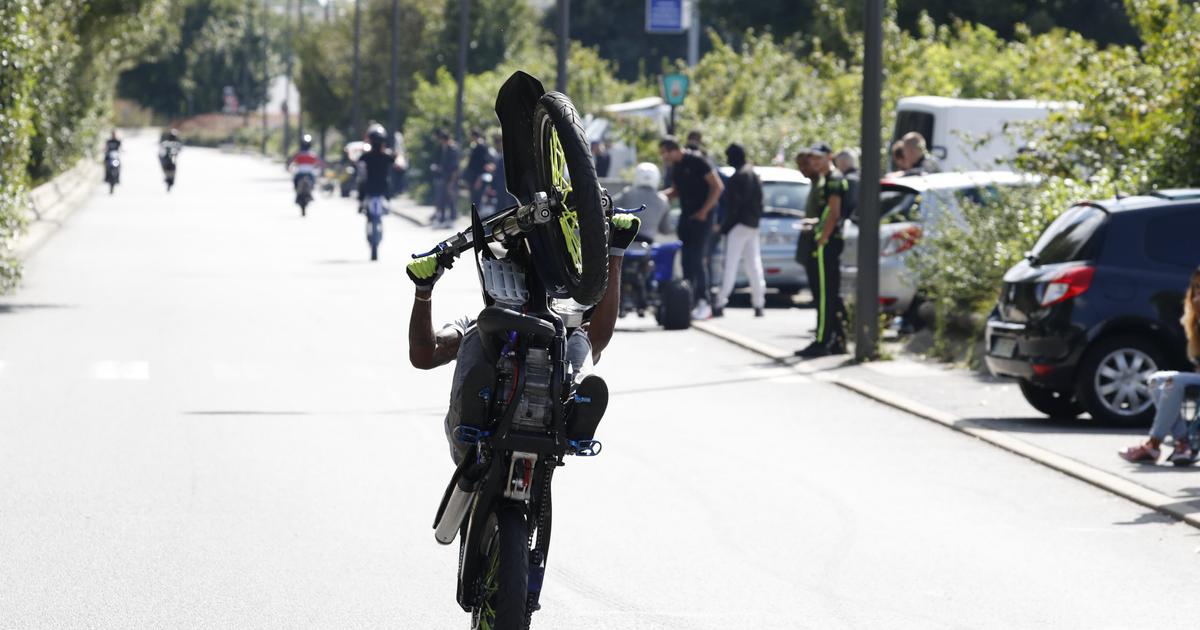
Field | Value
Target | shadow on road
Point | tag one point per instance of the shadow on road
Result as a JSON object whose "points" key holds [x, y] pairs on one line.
{"points": [[15, 308], [1043, 424]]}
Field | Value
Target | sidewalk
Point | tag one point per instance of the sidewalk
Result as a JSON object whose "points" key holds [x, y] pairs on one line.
{"points": [[978, 404]]}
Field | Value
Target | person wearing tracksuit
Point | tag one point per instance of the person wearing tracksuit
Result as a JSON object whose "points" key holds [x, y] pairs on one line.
{"points": [[824, 210]]}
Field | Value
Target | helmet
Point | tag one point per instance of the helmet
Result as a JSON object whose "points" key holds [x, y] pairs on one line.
{"points": [[647, 175], [376, 135], [306, 142], [172, 134]]}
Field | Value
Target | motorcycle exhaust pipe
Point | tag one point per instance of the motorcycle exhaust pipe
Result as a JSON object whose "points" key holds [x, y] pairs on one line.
{"points": [[452, 517]]}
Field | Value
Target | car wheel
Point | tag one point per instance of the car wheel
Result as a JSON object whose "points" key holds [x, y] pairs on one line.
{"points": [[1053, 403], [1111, 384]]}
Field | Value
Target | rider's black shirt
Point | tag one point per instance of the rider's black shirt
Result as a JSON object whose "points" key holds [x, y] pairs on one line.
{"points": [[376, 165]]}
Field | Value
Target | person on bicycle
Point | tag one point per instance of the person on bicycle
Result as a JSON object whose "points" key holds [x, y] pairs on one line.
{"points": [[429, 348], [375, 166], [306, 163], [1168, 389]]}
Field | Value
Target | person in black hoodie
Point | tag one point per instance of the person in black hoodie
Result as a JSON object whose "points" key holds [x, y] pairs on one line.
{"points": [[743, 210]]}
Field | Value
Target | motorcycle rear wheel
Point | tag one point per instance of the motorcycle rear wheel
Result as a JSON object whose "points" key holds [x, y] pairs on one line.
{"points": [[506, 574], [572, 251]]}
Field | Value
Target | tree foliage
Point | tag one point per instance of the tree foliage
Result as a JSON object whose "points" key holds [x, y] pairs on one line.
{"points": [[58, 65]]}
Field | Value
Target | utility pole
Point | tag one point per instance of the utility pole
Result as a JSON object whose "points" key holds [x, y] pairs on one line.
{"points": [[287, 79], [299, 99], [464, 20], [355, 100], [564, 44], [393, 110], [265, 75], [866, 310]]}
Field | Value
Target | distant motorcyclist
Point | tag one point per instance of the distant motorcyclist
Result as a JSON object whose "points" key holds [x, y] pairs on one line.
{"points": [[112, 161], [169, 147], [375, 166], [306, 163], [655, 220]]}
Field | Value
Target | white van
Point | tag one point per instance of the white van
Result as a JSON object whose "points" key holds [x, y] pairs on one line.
{"points": [[969, 134]]}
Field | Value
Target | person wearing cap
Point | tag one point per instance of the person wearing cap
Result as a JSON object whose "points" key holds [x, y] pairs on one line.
{"points": [[824, 212]]}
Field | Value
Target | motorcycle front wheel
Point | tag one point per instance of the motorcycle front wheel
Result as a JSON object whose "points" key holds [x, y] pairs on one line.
{"points": [[505, 573], [571, 251]]}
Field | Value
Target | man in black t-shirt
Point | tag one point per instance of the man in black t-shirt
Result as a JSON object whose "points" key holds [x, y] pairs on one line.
{"points": [[698, 188]]}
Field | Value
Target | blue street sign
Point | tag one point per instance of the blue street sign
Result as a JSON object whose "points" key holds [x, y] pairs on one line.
{"points": [[666, 16]]}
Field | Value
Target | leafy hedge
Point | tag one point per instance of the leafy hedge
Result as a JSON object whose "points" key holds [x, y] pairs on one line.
{"points": [[58, 65]]}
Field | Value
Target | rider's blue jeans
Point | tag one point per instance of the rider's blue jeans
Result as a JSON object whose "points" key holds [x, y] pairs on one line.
{"points": [[1166, 390]]}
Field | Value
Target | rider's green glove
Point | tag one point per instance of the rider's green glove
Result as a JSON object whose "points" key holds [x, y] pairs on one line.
{"points": [[624, 228], [426, 270]]}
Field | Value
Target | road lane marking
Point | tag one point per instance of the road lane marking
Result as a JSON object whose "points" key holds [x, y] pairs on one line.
{"points": [[121, 370]]}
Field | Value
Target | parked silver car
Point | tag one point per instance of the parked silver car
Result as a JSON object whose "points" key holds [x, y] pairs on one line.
{"points": [[911, 207], [785, 192]]}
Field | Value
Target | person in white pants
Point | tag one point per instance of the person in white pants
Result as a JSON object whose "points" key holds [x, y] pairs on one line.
{"points": [[743, 211]]}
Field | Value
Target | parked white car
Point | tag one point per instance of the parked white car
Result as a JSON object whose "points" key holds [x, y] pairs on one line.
{"points": [[911, 208]]}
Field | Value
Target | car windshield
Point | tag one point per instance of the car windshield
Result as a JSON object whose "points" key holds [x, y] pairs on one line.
{"points": [[784, 198], [1068, 236]]}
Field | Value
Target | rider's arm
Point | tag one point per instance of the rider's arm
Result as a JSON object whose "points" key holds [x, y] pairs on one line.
{"points": [[623, 229], [428, 348], [604, 318]]}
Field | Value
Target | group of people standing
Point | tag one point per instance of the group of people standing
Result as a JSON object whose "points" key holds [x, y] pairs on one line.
{"points": [[483, 158]]}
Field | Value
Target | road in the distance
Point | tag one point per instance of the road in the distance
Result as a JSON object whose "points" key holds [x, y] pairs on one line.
{"points": [[207, 420]]}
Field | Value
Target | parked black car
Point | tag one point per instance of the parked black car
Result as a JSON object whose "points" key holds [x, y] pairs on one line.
{"points": [[1094, 308]]}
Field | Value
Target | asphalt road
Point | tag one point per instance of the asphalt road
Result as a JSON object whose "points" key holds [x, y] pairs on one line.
{"points": [[207, 420]]}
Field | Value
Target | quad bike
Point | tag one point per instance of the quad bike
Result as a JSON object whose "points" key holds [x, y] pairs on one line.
{"points": [[523, 412], [648, 283]]}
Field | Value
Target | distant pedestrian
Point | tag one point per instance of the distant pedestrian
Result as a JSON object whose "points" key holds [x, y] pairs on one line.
{"points": [[846, 162], [656, 219], [602, 159], [743, 211], [477, 161], [1167, 391], [806, 242], [504, 199], [445, 181], [698, 187], [916, 156], [899, 162], [825, 209]]}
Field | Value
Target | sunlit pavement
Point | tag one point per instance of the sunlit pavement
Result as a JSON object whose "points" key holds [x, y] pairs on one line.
{"points": [[207, 419]]}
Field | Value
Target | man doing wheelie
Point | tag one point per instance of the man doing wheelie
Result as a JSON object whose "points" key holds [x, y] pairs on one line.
{"points": [[429, 348]]}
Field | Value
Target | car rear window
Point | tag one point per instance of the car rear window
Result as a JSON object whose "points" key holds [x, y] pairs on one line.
{"points": [[1070, 236], [780, 197], [1172, 238]]}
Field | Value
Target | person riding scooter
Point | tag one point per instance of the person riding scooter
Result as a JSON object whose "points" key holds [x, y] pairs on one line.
{"points": [[306, 163]]}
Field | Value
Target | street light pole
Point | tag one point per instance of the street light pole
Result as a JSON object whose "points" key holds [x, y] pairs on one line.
{"points": [[564, 44], [265, 76], [355, 101], [393, 111], [299, 99], [464, 9], [866, 310], [287, 79], [693, 36]]}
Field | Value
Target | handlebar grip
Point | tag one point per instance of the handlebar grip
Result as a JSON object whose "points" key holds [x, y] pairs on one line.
{"points": [[629, 210]]}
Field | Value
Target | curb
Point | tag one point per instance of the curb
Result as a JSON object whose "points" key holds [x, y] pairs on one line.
{"points": [[54, 201], [1176, 508]]}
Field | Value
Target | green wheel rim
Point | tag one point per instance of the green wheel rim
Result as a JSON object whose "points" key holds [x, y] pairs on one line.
{"points": [[487, 613], [568, 219]]}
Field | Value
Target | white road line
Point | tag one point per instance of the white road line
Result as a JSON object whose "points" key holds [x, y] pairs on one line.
{"points": [[121, 370]]}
